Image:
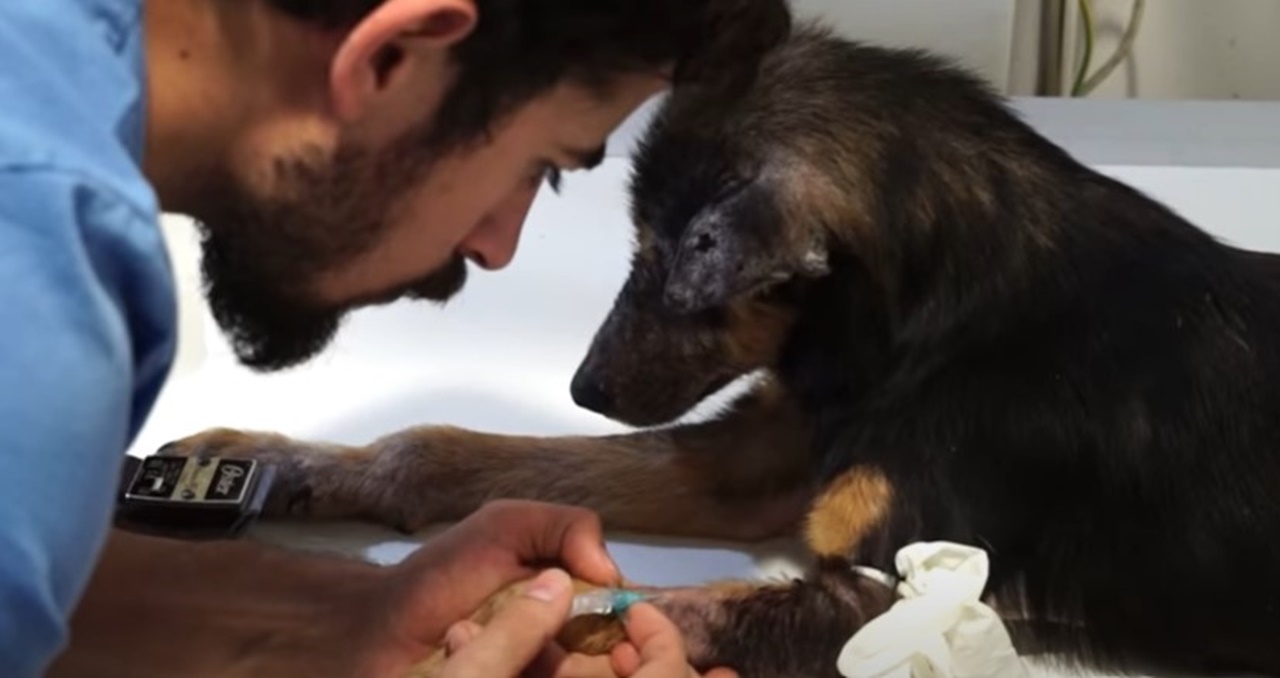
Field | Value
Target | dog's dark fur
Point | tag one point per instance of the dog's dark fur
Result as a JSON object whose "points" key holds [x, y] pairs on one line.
{"points": [[967, 335]]}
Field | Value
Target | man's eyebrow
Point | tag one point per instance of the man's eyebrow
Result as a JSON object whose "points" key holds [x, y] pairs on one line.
{"points": [[588, 159]]}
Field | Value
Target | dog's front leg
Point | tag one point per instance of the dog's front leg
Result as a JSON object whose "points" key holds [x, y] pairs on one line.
{"points": [[760, 629], [741, 476]]}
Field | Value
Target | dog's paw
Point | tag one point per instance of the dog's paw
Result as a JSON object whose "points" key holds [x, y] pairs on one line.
{"points": [[298, 466], [225, 442]]}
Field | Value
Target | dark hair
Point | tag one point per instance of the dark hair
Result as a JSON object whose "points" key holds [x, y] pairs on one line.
{"points": [[521, 48]]}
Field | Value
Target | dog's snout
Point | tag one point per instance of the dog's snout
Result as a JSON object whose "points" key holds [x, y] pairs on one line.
{"points": [[589, 393]]}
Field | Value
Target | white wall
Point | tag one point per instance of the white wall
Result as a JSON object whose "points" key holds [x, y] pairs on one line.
{"points": [[1189, 49], [978, 33], [184, 253]]}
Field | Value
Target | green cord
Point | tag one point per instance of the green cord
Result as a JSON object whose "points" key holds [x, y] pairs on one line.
{"points": [[1086, 83], [1086, 15], [1124, 49]]}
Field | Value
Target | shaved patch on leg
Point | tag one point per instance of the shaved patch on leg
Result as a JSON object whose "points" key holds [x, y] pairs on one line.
{"points": [[846, 511]]}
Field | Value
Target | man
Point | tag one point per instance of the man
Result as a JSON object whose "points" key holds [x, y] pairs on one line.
{"points": [[336, 153]]}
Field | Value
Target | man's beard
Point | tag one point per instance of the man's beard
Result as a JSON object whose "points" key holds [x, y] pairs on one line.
{"points": [[263, 257]]}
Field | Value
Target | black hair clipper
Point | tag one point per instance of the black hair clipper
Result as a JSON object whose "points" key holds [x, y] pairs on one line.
{"points": [[191, 497]]}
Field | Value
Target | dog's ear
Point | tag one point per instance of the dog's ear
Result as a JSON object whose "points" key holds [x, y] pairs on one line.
{"points": [[736, 245]]}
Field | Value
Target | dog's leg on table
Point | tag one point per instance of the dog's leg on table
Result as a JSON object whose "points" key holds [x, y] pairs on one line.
{"points": [[741, 476], [761, 630], [769, 630], [785, 629]]}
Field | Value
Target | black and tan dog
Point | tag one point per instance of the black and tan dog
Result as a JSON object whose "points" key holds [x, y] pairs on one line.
{"points": [[966, 335]]}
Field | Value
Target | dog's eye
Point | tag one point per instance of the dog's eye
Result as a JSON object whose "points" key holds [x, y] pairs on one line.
{"points": [[777, 291], [727, 187]]}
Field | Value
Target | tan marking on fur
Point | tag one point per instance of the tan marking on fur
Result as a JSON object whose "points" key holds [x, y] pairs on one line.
{"points": [[826, 198], [846, 511], [951, 180], [812, 197], [756, 333], [644, 248]]}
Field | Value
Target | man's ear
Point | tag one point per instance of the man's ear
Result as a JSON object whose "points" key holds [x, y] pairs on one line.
{"points": [[375, 56], [735, 246]]}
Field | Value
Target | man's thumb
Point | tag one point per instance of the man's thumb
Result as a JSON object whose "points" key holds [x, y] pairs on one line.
{"points": [[550, 586], [518, 632]]}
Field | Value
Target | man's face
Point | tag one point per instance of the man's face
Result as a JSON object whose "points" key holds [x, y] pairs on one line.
{"points": [[294, 243]]}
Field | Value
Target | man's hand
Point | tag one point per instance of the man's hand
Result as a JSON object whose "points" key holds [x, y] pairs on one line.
{"points": [[516, 641], [500, 544], [503, 543], [237, 608], [452, 575], [656, 650]]}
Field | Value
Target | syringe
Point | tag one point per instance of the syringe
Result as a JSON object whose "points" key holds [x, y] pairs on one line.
{"points": [[604, 601]]}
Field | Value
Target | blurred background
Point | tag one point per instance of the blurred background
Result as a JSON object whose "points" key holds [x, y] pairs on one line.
{"points": [[1135, 49]]}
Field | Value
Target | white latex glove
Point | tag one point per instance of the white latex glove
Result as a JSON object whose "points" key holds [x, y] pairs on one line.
{"points": [[940, 628]]}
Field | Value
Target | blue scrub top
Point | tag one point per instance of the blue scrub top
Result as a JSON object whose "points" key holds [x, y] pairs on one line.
{"points": [[87, 305]]}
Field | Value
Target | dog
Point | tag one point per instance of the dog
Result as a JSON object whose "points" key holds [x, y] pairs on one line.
{"points": [[962, 333]]}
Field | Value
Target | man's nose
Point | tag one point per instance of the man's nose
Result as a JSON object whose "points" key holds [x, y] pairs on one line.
{"points": [[492, 245]]}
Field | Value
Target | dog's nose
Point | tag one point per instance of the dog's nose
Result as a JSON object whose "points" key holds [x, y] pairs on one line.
{"points": [[589, 393]]}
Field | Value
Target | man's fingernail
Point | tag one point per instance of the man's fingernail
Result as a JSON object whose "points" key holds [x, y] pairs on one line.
{"points": [[549, 585], [612, 564], [626, 613], [608, 557], [458, 635]]}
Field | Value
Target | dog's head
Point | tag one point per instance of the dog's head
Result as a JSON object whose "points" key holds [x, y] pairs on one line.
{"points": [[725, 248]]}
